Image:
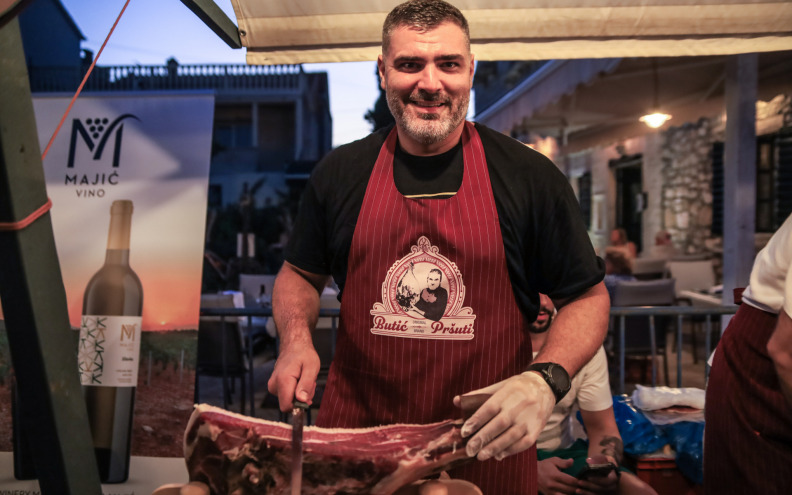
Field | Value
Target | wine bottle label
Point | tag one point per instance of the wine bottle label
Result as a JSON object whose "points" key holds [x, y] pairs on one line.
{"points": [[109, 350]]}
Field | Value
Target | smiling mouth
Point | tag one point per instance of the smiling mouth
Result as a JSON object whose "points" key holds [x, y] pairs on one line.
{"points": [[427, 104], [424, 99]]}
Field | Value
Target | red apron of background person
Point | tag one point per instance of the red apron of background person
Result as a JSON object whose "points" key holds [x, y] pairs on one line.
{"points": [[748, 430], [394, 366]]}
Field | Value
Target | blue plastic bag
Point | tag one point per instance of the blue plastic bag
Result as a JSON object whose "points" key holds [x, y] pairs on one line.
{"points": [[639, 435], [687, 439]]}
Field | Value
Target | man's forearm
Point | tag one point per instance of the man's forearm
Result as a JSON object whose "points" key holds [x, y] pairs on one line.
{"points": [[295, 304], [578, 330], [603, 433], [780, 349]]}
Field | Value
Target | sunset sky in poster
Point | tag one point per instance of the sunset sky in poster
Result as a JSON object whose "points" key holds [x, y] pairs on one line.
{"points": [[163, 167]]}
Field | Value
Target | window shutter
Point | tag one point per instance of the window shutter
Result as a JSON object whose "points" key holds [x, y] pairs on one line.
{"points": [[783, 176], [717, 189]]}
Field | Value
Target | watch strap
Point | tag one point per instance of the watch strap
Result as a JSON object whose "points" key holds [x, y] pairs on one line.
{"points": [[556, 377]]}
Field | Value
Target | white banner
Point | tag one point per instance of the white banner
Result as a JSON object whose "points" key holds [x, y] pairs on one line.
{"points": [[153, 150]]}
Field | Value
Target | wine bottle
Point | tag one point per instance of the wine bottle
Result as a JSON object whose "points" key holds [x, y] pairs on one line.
{"points": [[109, 349]]}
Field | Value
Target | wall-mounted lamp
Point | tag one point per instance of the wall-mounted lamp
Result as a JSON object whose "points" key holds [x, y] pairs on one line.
{"points": [[655, 118]]}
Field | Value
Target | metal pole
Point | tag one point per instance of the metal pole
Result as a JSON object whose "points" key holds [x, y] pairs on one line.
{"points": [[622, 343], [251, 386], [679, 351], [43, 350], [653, 347]]}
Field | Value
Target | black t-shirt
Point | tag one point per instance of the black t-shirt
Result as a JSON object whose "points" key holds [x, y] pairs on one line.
{"points": [[547, 247]]}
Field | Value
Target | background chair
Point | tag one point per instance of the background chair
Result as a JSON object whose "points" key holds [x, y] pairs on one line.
{"points": [[253, 287], [696, 275], [220, 351], [649, 268], [637, 341]]}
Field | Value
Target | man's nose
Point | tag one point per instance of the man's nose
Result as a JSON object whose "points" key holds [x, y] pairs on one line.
{"points": [[430, 79]]}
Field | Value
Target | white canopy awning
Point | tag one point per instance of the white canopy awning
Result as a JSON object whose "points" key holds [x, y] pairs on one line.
{"points": [[307, 31]]}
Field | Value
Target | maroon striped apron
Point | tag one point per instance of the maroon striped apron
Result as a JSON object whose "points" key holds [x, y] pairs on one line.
{"points": [[393, 366], [748, 432]]}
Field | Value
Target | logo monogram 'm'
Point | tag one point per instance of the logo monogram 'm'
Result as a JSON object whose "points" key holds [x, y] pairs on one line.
{"points": [[96, 136], [128, 331]]}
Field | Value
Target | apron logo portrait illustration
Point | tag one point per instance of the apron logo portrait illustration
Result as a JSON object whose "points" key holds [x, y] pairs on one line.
{"points": [[422, 298]]}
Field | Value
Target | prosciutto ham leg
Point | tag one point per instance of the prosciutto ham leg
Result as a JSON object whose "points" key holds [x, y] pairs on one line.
{"points": [[239, 455]]}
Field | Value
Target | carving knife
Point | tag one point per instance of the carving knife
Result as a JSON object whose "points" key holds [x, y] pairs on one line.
{"points": [[298, 421]]}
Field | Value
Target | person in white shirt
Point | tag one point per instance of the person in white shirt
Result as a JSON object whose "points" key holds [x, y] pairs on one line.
{"points": [[561, 456]]}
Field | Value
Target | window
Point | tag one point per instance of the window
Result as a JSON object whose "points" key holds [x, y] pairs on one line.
{"points": [[233, 128], [773, 182]]}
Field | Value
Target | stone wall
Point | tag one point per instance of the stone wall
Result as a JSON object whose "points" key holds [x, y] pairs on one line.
{"points": [[686, 204]]}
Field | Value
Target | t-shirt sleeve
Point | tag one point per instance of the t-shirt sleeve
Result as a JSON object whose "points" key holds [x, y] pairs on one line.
{"points": [[770, 286], [306, 248], [594, 393], [564, 263]]}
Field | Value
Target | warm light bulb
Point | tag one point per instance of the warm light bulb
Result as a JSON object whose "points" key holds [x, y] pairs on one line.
{"points": [[655, 120]]}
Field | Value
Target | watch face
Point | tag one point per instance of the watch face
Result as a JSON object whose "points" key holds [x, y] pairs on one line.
{"points": [[560, 377], [556, 376]]}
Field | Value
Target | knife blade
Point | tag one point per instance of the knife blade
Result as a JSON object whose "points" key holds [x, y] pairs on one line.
{"points": [[298, 421]]}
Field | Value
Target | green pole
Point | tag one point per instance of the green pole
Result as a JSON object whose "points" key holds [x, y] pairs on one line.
{"points": [[43, 349]]}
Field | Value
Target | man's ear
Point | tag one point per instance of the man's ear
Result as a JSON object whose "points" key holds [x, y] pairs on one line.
{"points": [[472, 67], [381, 70]]}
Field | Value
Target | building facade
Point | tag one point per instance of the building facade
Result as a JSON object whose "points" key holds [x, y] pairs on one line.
{"points": [[584, 115]]}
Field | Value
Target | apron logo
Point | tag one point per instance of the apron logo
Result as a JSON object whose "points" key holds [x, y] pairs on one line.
{"points": [[422, 298]]}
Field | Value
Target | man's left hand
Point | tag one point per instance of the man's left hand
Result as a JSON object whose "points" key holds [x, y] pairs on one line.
{"points": [[511, 420]]}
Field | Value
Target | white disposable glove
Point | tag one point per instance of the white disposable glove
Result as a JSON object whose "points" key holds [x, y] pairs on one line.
{"points": [[511, 419]]}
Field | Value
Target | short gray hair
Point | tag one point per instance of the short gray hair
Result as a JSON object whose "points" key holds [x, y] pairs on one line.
{"points": [[423, 15]]}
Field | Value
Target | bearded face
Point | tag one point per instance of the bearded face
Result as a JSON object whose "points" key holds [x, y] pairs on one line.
{"points": [[427, 76], [427, 127]]}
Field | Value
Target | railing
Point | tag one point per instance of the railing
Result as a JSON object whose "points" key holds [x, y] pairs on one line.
{"points": [[251, 313], [620, 313], [617, 314], [169, 77]]}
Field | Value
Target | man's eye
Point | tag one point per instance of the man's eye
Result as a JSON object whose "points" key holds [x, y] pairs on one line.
{"points": [[408, 66]]}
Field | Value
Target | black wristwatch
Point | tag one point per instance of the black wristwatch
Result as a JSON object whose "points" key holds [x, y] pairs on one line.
{"points": [[556, 376]]}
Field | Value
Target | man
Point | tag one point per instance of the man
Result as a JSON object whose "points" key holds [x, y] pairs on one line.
{"points": [[498, 219], [663, 247], [543, 320], [748, 438], [562, 457], [431, 303]]}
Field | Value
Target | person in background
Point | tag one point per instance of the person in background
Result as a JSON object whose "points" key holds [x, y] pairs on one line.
{"points": [[498, 217], [561, 456], [621, 244], [663, 247], [748, 437], [617, 269]]}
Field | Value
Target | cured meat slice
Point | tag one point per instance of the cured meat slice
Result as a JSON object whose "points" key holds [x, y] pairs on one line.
{"points": [[239, 455]]}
